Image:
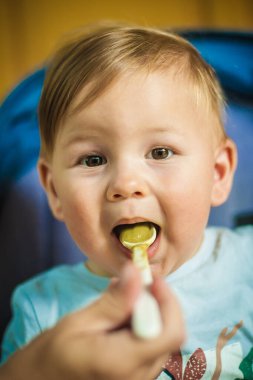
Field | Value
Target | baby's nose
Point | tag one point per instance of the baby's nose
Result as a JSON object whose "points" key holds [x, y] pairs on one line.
{"points": [[126, 184]]}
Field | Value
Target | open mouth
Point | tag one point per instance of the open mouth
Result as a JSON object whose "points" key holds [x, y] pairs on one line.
{"points": [[118, 229]]}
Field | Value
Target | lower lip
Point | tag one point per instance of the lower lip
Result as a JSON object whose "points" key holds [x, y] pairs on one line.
{"points": [[151, 250], [154, 247]]}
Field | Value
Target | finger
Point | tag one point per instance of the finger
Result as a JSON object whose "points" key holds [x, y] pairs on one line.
{"points": [[116, 304], [172, 316], [127, 287], [154, 369], [172, 335], [113, 308], [132, 355]]}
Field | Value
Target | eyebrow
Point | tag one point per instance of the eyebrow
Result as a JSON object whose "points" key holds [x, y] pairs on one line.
{"points": [[168, 129], [91, 133], [77, 138]]}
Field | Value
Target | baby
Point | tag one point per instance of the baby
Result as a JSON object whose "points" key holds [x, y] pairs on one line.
{"points": [[131, 123]]}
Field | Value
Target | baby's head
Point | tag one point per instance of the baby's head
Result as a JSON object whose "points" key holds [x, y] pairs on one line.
{"points": [[131, 124]]}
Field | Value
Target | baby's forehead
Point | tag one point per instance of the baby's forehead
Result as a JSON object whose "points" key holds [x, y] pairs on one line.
{"points": [[93, 91], [163, 96]]}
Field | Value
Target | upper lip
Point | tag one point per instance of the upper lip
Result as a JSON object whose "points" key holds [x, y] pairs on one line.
{"points": [[131, 221]]}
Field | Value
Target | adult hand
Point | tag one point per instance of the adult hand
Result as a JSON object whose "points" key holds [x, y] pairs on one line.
{"points": [[97, 342]]}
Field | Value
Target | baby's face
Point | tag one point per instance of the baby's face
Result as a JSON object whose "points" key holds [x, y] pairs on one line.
{"points": [[142, 151]]}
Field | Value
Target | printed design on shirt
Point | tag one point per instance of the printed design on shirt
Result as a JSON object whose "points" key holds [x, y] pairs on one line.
{"points": [[246, 366], [195, 366], [221, 342]]}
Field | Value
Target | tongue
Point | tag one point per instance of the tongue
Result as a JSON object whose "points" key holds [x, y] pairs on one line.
{"points": [[136, 233]]}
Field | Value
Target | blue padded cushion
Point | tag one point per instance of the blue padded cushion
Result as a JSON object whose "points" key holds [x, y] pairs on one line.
{"points": [[19, 134]]}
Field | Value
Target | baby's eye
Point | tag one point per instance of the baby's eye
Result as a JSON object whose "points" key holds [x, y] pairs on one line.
{"points": [[93, 160], [161, 153]]}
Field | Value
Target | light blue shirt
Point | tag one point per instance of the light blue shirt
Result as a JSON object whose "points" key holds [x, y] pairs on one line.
{"points": [[215, 289], [40, 302]]}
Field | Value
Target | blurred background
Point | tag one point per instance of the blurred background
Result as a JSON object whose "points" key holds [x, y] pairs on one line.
{"points": [[29, 29]]}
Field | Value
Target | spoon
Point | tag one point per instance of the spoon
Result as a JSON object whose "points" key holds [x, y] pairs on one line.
{"points": [[146, 318]]}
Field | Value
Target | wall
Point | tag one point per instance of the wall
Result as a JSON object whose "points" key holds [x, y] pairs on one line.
{"points": [[29, 29]]}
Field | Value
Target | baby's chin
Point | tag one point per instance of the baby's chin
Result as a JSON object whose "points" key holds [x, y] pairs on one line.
{"points": [[96, 269], [159, 270]]}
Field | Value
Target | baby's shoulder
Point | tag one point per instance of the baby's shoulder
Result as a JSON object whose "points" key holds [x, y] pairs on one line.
{"points": [[236, 245], [46, 282], [236, 237], [240, 237]]}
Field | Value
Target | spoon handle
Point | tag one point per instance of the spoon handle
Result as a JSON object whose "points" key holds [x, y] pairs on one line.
{"points": [[140, 259], [146, 318]]}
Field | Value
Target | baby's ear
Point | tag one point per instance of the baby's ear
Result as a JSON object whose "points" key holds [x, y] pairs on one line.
{"points": [[46, 179], [224, 169]]}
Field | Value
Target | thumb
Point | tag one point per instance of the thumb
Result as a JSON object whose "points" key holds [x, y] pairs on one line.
{"points": [[115, 306]]}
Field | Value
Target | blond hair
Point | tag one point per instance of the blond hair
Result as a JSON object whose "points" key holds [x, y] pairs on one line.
{"points": [[99, 56]]}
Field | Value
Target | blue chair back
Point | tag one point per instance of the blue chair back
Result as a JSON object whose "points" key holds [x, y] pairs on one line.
{"points": [[231, 55], [31, 240]]}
